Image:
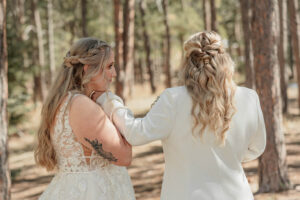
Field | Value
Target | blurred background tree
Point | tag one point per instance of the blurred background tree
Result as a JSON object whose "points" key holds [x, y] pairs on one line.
{"points": [[5, 182]]}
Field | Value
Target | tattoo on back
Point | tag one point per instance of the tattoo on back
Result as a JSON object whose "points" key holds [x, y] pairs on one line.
{"points": [[99, 149]]}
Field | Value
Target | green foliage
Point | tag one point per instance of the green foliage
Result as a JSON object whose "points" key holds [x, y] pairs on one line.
{"points": [[17, 109], [19, 72], [100, 20]]}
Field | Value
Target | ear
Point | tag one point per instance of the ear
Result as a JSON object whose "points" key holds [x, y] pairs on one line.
{"points": [[85, 67]]}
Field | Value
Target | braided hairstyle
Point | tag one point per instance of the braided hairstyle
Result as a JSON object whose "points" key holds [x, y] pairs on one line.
{"points": [[71, 77], [208, 72]]}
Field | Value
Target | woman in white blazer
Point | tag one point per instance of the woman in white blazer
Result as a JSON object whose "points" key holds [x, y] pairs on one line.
{"points": [[208, 127]]}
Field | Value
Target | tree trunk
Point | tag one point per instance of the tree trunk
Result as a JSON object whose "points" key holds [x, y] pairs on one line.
{"points": [[41, 55], [138, 71], [37, 79], [293, 20], [181, 39], [4, 170], [214, 26], [51, 42], [290, 53], [281, 59], [147, 47], [249, 69], [167, 45], [118, 18], [128, 48], [83, 15], [273, 174], [19, 17], [206, 15]]}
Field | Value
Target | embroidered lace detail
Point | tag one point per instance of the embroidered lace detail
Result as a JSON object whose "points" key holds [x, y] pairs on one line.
{"points": [[70, 153], [78, 179]]}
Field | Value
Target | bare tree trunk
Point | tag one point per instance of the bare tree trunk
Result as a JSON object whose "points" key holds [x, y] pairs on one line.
{"points": [[83, 15], [147, 46], [293, 20], [19, 17], [138, 71], [128, 51], [206, 15], [281, 59], [273, 174], [290, 53], [181, 39], [41, 55], [39, 31], [37, 79], [167, 45], [214, 26], [245, 11], [238, 35], [4, 169], [51, 42], [118, 18]]}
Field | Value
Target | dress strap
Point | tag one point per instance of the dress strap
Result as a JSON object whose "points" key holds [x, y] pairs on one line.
{"points": [[66, 101], [75, 95]]}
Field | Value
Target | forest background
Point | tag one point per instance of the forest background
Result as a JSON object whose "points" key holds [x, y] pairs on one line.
{"points": [[147, 35]]}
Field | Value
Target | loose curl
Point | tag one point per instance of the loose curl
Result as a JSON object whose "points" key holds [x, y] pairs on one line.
{"points": [[71, 77], [208, 72]]}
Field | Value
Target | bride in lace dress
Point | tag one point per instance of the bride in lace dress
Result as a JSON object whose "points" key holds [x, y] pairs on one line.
{"points": [[76, 137]]}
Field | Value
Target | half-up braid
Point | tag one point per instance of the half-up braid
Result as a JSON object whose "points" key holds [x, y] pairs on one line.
{"points": [[208, 72]]}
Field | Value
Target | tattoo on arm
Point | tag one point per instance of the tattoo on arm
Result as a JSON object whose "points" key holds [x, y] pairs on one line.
{"points": [[99, 149]]}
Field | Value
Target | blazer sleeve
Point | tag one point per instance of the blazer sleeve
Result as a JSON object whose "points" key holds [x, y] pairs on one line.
{"points": [[257, 141], [156, 125]]}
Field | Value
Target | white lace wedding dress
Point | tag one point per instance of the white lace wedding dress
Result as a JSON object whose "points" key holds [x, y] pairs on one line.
{"points": [[83, 177]]}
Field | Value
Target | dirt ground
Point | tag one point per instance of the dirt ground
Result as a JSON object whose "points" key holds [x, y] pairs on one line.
{"points": [[146, 171]]}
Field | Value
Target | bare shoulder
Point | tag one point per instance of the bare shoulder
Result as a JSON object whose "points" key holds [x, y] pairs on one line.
{"points": [[82, 107]]}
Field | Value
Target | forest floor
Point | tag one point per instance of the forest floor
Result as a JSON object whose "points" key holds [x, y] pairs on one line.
{"points": [[146, 171]]}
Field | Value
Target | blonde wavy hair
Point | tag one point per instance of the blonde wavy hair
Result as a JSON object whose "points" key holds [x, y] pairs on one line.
{"points": [[208, 72], [71, 77]]}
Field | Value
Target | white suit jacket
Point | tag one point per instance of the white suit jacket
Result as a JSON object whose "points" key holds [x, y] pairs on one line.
{"points": [[196, 169]]}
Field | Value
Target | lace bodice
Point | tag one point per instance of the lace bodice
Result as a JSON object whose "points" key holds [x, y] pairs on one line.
{"points": [[79, 176], [69, 151]]}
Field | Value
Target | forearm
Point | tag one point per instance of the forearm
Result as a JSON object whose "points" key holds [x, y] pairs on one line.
{"points": [[137, 131], [125, 153], [126, 156]]}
